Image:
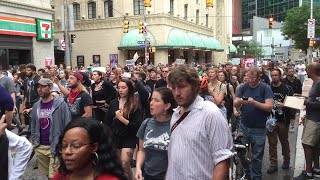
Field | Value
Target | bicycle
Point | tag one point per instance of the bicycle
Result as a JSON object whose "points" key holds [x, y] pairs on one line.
{"points": [[241, 160]]}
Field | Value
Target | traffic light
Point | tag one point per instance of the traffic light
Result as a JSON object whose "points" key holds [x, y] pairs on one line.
{"points": [[209, 3], [73, 36], [125, 26], [141, 27], [312, 43], [147, 3], [270, 22]]}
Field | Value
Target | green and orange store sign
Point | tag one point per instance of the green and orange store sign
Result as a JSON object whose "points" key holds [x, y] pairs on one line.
{"points": [[41, 29]]}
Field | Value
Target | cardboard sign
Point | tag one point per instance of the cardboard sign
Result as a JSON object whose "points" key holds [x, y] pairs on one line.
{"points": [[294, 102], [180, 61]]}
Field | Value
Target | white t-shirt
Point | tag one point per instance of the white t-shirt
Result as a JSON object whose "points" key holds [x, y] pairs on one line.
{"points": [[301, 68]]}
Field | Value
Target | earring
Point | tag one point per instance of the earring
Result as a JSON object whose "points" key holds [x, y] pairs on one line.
{"points": [[164, 113], [96, 158]]}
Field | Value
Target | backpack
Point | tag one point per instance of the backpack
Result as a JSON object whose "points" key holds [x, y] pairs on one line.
{"points": [[228, 102], [262, 90]]}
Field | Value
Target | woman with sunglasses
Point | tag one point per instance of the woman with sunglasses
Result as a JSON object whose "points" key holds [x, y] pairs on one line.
{"points": [[86, 152]]}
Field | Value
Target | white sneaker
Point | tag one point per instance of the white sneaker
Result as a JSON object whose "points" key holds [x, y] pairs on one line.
{"points": [[291, 129]]}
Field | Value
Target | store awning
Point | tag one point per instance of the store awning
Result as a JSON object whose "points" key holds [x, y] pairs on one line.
{"points": [[232, 48], [217, 44], [134, 40], [197, 41], [209, 44], [179, 39]]}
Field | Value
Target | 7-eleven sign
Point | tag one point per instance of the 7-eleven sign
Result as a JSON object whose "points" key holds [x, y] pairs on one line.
{"points": [[44, 30]]}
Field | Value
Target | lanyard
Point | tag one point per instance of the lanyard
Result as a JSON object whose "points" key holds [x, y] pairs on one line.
{"points": [[175, 125]]}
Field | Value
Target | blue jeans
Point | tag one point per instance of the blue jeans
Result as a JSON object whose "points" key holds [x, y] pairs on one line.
{"points": [[255, 137]]}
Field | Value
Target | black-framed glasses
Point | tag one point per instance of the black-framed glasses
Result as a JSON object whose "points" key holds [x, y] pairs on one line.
{"points": [[74, 148]]}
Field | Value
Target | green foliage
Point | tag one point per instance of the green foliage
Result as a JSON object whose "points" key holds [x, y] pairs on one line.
{"points": [[252, 48], [296, 25]]}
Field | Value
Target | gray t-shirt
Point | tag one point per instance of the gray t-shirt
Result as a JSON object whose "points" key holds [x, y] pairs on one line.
{"points": [[156, 138], [7, 83], [313, 102]]}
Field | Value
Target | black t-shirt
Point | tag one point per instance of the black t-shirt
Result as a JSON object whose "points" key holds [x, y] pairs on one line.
{"points": [[30, 91], [77, 108], [296, 85], [280, 93], [103, 93], [151, 83]]}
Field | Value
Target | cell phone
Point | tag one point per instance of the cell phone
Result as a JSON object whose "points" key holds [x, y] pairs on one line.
{"points": [[245, 98]]}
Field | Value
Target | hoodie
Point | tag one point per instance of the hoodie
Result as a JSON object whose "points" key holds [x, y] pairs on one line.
{"points": [[60, 117]]}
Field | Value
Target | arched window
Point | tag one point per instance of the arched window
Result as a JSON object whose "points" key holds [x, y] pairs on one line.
{"points": [[76, 11], [92, 10], [108, 8]]}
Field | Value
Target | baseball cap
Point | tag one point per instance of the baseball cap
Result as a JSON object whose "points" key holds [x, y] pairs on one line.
{"points": [[44, 82]]}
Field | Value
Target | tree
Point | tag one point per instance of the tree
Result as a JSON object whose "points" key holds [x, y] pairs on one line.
{"points": [[252, 48], [296, 25]]}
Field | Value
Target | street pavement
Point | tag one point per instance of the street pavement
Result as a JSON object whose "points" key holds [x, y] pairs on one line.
{"points": [[296, 152]]}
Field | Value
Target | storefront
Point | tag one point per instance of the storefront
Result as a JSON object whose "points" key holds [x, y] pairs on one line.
{"points": [[189, 46], [24, 37]]}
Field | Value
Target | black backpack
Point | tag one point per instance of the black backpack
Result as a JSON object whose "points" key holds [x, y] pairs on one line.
{"points": [[228, 102], [262, 90]]}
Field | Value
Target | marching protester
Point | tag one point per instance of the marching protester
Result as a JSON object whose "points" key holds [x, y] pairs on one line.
{"points": [[49, 116], [102, 94], [154, 137], [281, 129], [199, 132], [85, 151], [311, 132], [217, 90], [78, 99], [124, 116], [256, 99], [296, 85]]}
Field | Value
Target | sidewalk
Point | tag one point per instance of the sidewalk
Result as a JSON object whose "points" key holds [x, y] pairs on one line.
{"points": [[300, 161]]}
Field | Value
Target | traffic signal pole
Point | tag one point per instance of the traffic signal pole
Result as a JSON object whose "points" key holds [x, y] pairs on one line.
{"points": [[145, 34], [311, 17], [67, 58]]}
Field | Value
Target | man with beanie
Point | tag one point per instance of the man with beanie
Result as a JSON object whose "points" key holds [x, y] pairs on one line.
{"points": [[78, 99]]}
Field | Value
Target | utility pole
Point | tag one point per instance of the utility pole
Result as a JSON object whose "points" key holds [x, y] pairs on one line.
{"points": [[310, 47], [145, 34], [67, 57], [272, 52]]}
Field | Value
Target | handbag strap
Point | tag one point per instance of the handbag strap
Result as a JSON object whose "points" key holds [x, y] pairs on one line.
{"points": [[175, 125]]}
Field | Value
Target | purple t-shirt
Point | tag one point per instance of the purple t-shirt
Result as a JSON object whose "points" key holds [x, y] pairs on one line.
{"points": [[45, 121]]}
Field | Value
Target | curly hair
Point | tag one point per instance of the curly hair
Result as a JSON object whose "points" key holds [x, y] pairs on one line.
{"points": [[183, 73], [109, 162]]}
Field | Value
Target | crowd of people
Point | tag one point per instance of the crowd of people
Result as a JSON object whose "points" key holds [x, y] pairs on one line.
{"points": [[173, 121]]}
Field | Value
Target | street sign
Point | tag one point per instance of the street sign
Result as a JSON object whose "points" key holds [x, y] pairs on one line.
{"points": [[147, 56], [140, 42], [316, 39], [62, 45], [311, 28]]}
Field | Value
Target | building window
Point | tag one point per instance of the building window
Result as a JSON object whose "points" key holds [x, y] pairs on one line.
{"points": [[76, 11], [92, 10], [186, 11], [171, 7], [138, 7], [207, 20], [108, 8], [197, 16]]}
